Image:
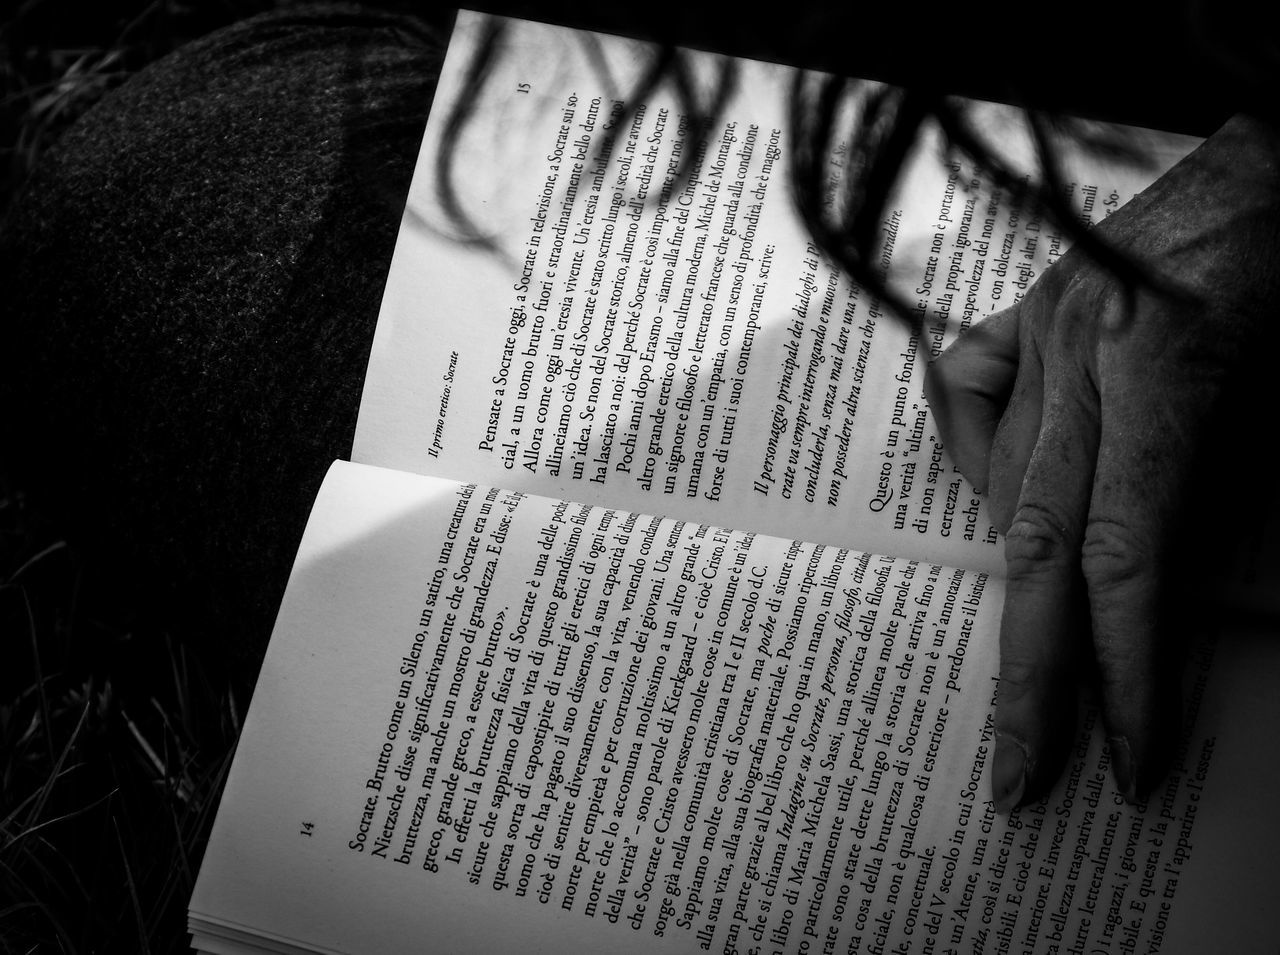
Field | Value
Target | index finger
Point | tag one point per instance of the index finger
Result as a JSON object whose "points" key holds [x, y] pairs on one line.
{"points": [[1041, 632]]}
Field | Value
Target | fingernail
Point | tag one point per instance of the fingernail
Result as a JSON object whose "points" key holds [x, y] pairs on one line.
{"points": [[1122, 765], [1009, 773]]}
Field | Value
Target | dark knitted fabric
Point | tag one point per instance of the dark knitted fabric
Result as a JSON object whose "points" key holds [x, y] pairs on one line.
{"points": [[192, 283]]}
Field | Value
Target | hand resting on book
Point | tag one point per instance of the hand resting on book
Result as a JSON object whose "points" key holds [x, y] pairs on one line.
{"points": [[1083, 411]]}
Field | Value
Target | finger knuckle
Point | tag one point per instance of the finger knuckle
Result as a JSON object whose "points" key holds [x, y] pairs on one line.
{"points": [[1112, 555], [1019, 677], [1039, 541], [1087, 290]]}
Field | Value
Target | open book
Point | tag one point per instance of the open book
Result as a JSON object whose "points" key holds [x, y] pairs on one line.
{"points": [[650, 614]]}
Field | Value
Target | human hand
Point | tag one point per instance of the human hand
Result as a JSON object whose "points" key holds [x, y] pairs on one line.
{"points": [[1084, 412]]}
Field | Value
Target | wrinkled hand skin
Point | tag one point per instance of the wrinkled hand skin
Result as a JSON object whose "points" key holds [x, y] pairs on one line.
{"points": [[1083, 411]]}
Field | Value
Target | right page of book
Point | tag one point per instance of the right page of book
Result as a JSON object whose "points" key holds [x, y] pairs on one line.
{"points": [[492, 722], [648, 324]]}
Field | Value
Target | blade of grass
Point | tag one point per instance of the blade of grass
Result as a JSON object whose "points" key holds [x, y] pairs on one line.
{"points": [[35, 658], [144, 944]]}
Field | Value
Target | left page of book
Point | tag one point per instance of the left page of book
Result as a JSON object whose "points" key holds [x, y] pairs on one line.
{"points": [[652, 328], [491, 722]]}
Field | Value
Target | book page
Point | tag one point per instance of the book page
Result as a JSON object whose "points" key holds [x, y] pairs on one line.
{"points": [[654, 330], [494, 722]]}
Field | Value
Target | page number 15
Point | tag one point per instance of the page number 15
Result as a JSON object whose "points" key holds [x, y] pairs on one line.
{"points": [[522, 87]]}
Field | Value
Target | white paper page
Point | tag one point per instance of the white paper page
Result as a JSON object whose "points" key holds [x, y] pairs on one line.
{"points": [[497, 723], [684, 351]]}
